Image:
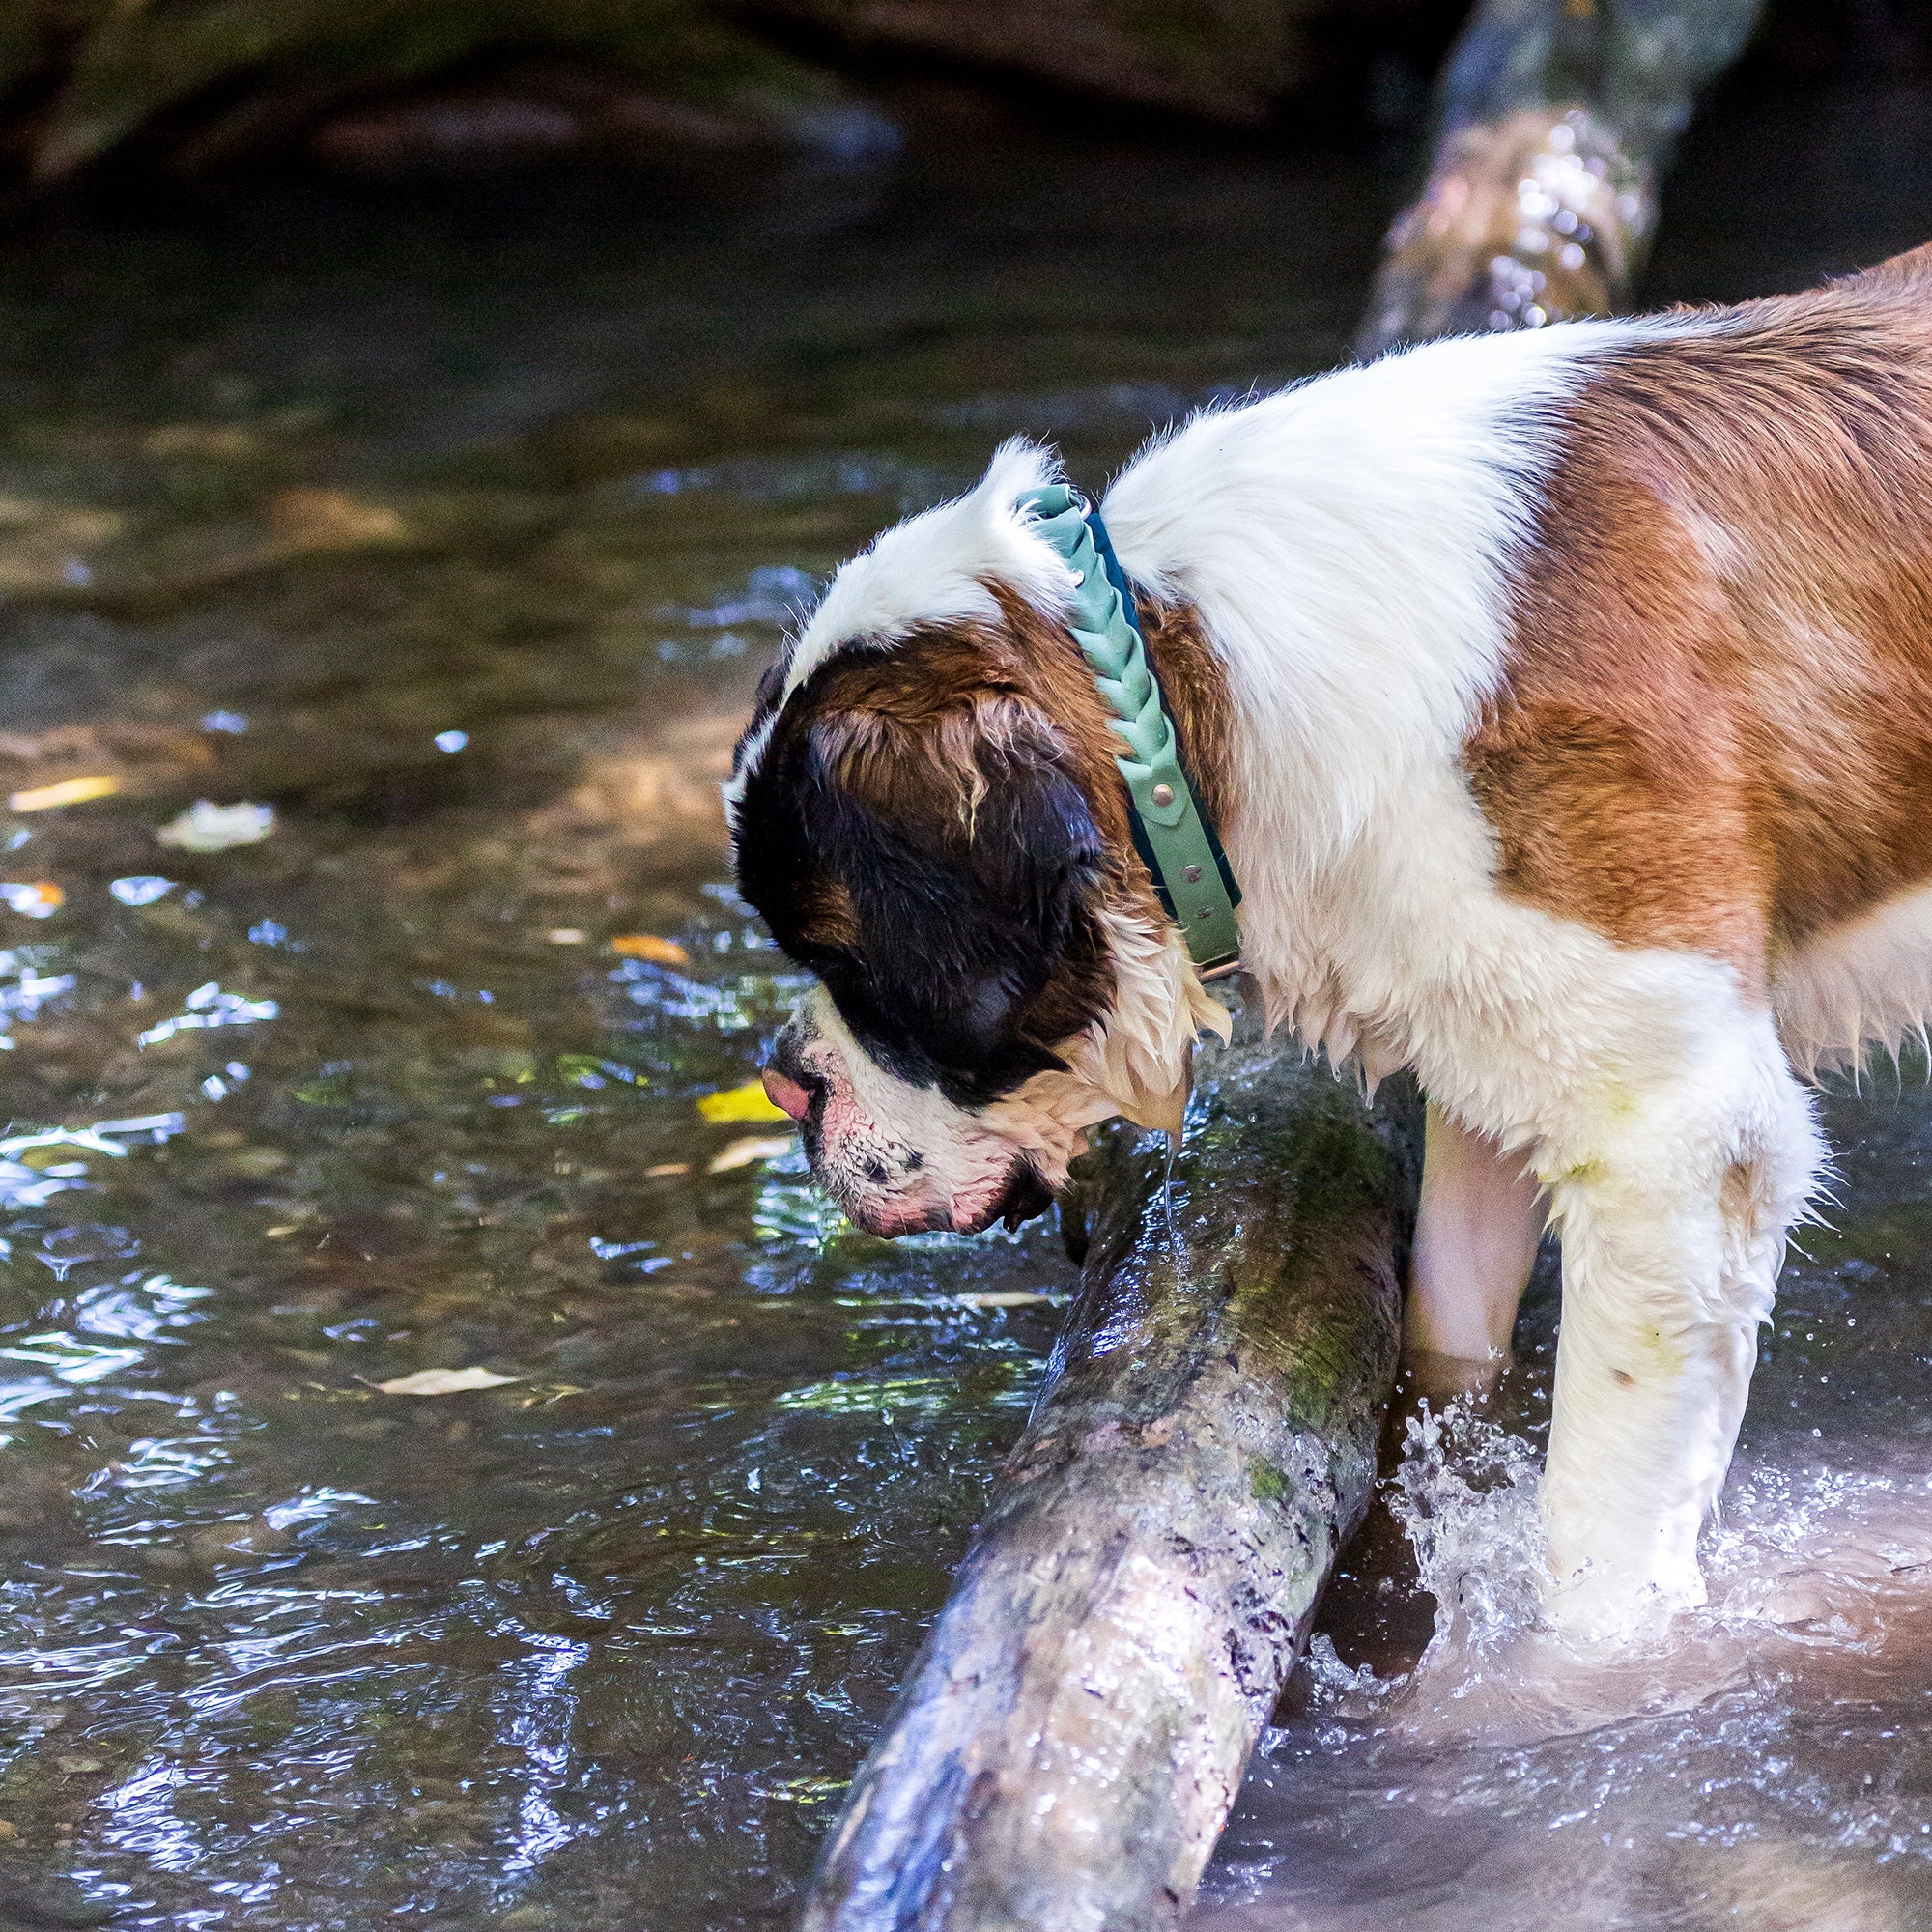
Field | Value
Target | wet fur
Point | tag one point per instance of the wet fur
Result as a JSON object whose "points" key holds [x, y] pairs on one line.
{"points": [[1565, 703]]}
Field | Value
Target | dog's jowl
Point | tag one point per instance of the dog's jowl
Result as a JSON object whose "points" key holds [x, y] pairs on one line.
{"points": [[1563, 702]]}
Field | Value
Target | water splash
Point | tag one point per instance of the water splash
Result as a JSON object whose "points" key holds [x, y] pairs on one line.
{"points": [[1465, 1495]]}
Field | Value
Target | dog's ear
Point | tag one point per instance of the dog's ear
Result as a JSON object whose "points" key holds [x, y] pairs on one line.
{"points": [[964, 852]]}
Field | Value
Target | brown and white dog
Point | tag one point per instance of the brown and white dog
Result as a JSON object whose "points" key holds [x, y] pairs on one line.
{"points": [[1564, 702]]}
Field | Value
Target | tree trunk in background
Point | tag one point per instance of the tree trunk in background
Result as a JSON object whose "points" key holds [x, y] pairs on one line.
{"points": [[1078, 1723], [1555, 123]]}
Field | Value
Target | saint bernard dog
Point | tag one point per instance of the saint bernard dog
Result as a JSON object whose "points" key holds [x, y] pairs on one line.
{"points": [[1564, 700]]}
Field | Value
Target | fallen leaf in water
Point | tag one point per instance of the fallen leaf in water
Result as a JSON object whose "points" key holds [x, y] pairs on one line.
{"points": [[69, 791], [665, 1166], [205, 827], [445, 1381], [760, 1147], [649, 946], [37, 900], [332, 520], [222, 439], [747, 1103]]}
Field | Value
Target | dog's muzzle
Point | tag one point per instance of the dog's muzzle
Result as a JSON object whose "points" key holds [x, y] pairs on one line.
{"points": [[898, 1159]]}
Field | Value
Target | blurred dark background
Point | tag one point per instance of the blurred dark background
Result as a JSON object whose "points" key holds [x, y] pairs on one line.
{"points": [[138, 93]]}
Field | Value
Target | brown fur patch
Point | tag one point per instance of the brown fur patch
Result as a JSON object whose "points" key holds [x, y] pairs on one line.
{"points": [[1717, 727]]}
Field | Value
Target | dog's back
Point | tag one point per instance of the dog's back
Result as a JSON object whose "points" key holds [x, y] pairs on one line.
{"points": [[1716, 729]]}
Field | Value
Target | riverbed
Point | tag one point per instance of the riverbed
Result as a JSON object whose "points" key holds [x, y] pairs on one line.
{"points": [[451, 528]]}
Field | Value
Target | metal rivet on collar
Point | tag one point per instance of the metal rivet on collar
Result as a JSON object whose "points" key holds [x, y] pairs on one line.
{"points": [[1193, 876], [1163, 794]]}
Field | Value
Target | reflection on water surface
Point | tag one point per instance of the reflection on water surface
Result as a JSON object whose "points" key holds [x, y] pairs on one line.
{"points": [[457, 532]]}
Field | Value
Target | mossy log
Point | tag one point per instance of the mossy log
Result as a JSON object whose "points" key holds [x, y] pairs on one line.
{"points": [[1555, 121], [1076, 1728]]}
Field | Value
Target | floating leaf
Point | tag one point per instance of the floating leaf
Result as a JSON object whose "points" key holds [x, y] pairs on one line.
{"points": [[760, 1147], [649, 946], [741, 1104], [312, 519], [69, 791], [205, 827], [445, 1381]]}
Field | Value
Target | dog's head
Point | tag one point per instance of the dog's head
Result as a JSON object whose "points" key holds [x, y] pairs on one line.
{"points": [[926, 810]]}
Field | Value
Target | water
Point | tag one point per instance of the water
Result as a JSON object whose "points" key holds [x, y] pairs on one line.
{"points": [[456, 529]]}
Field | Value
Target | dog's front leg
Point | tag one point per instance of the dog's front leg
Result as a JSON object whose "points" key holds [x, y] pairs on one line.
{"points": [[1672, 1237], [1478, 1223]]}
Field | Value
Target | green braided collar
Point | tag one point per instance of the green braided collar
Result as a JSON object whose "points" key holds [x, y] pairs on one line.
{"points": [[1172, 833]]}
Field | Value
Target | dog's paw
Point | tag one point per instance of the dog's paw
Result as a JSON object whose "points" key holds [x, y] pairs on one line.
{"points": [[1602, 1607]]}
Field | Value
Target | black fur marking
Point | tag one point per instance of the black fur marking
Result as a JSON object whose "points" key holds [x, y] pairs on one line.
{"points": [[955, 938]]}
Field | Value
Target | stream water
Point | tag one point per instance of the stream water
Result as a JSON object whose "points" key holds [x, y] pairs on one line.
{"points": [[454, 529]]}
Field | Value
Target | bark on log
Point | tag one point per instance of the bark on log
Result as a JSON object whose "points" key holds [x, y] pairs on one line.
{"points": [[1077, 1725], [1555, 121]]}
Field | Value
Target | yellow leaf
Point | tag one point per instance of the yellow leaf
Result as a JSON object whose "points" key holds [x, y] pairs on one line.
{"points": [[649, 946], [445, 1381], [741, 1154], [69, 791], [745, 1104]]}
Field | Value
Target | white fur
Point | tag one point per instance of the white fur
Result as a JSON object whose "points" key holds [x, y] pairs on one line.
{"points": [[1867, 984], [938, 565], [1346, 546], [931, 569]]}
